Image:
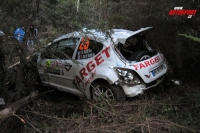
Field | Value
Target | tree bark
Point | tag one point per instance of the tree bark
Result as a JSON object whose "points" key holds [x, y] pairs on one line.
{"points": [[17, 63]]}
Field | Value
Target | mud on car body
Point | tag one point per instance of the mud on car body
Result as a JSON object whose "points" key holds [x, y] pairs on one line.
{"points": [[116, 64]]}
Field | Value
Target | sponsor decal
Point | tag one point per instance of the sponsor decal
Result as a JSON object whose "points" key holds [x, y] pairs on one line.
{"points": [[90, 78], [52, 71], [147, 63], [148, 76], [85, 43], [91, 65], [68, 66], [58, 64], [48, 63], [118, 65], [179, 11], [51, 67]]}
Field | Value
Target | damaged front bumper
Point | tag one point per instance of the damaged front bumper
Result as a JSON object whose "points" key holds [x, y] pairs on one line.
{"points": [[138, 87], [134, 90]]}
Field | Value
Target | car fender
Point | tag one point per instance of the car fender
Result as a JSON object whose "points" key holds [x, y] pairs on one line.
{"points": [[110, 76]]}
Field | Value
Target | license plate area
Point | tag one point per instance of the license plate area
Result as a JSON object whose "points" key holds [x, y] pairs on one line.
{"points": [[158, 70]]}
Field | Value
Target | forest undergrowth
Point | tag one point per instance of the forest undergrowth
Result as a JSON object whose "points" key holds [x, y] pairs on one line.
{"points": [[171, 110]]}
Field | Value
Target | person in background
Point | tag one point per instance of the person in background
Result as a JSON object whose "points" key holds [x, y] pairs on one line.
{"points": [[33, 32], [2, 65], [32, 37], [19, 33]]}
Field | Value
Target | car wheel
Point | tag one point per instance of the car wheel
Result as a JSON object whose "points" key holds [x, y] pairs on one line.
{"points": [[107, 91], [139, 56]]}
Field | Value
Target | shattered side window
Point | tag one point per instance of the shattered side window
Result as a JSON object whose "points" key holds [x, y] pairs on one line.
{"points": [[61, 49], [67, 47], [88, 48], [68, 42]]}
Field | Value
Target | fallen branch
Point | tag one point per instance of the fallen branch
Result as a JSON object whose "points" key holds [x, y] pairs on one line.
{"points": [[17, 63], [9, 111]]}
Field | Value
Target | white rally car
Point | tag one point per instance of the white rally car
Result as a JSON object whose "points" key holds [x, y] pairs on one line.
{"points": [[116, 64]]}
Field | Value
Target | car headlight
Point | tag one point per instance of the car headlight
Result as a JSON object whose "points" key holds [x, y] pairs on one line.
{"points": [[128, 76], [122, 72]]}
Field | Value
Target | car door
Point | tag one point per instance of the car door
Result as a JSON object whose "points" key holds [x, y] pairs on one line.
{"points": [[48, 66], [66, 49], [85, 65]]}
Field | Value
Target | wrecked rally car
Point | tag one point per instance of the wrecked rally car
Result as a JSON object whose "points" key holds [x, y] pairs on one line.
{"points": [[90, 63]]}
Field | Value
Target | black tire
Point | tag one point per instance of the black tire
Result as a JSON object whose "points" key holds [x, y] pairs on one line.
{"points": [[139, 56], [103, 88]]}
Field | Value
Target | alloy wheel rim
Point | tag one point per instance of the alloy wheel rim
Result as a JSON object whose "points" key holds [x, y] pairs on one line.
{"points": [[102, 91]]}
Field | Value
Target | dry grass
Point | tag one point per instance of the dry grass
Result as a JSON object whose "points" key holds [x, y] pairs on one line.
{"points": [[58, 112]]}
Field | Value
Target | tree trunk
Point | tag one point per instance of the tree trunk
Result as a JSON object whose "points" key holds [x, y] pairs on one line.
{"points": [[20, 76]]}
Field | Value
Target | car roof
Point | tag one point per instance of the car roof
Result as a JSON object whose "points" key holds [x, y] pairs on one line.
{"points": [[118, 35]]}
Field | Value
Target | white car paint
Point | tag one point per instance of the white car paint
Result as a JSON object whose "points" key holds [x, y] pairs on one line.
{"points": [[76, 75]]}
